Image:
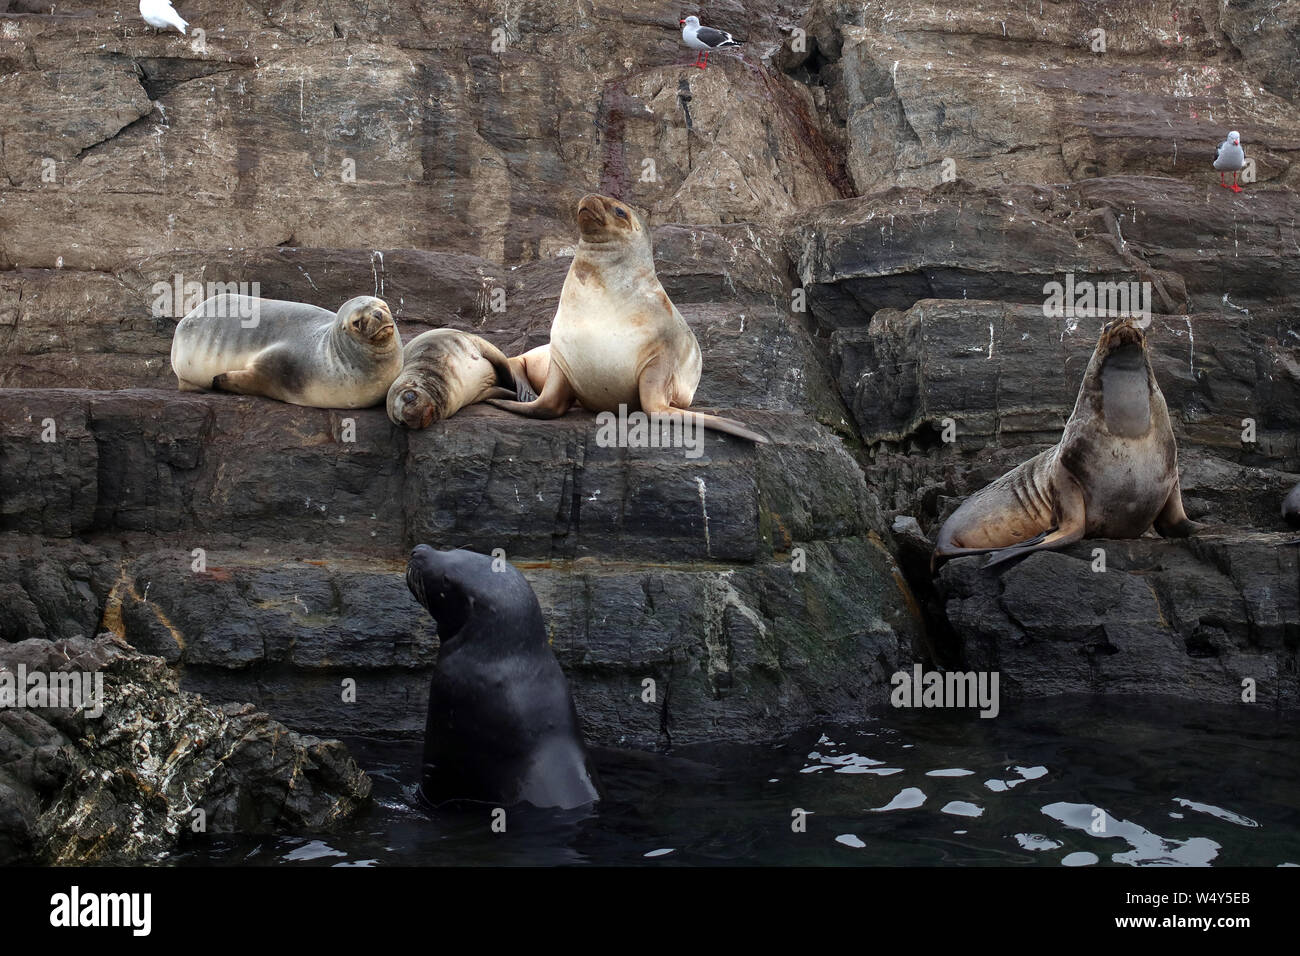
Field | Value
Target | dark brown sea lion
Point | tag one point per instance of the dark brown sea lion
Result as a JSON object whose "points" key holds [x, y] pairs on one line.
{"points": [[502, 726]]}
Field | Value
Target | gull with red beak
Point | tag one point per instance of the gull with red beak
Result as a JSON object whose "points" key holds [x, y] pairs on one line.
{"points": [[704, 39], [1230, 158]]}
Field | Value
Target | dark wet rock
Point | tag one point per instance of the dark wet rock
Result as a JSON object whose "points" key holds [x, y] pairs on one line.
{"points": [[738, 649], [890, 250], [121, 786], [1190, 618]]}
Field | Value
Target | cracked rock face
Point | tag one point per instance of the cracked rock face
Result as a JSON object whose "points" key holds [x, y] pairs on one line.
{"points": [[1204, 621], [121, 786], [451, 144], [994, 93]]}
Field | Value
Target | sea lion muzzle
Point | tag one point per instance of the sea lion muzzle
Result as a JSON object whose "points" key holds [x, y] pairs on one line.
{"points": [[381, 329], [591, 211]]}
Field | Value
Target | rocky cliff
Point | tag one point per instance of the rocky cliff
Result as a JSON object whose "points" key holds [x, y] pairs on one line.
{"points": [[133, 764], [857, 214]]}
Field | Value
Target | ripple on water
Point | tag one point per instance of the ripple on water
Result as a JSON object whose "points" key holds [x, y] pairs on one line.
{"points": [[1036, 841], [960, 787], [1148, 848], [1213, 811], [314, 850], [908, 799]]}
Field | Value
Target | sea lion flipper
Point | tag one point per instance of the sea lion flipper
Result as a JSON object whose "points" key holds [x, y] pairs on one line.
{"points": [[658, 390], [1071, 522], [243, 381], [1058, 538], [514, 382], [511, 376], [1172, 522], [556, 397], [720, 424], [524, 391]]}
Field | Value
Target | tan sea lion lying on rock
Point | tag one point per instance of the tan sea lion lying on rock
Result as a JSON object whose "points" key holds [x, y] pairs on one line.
{"points": [[445, 369], [290, 351]]}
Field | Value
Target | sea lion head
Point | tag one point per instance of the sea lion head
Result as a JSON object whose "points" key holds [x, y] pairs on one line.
{"points": [[603, 220], [369, 321], [443, 371], [410, 404], [1123, 343], [457, 586]]}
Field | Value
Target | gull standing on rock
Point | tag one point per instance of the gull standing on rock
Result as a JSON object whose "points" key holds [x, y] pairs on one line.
{"points": [[1230, 158], [704, 39], [160, 15]]}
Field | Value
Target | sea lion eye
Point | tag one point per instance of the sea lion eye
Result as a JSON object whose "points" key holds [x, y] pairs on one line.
{"points": [[408, 396], [620, 213]]}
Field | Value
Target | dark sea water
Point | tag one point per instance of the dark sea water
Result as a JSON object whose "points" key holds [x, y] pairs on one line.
{"points": [[1075, 783]]}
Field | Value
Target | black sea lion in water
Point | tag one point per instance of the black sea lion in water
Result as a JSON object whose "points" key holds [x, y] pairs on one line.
{"points": [[502, 727], [1113, 475], [617, 339], [290, 351]]}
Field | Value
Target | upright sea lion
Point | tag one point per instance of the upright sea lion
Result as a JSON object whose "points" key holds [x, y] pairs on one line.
{"points": [[1114, 473], [445, 369], [617, 339], [290, 351], [502, 726]]}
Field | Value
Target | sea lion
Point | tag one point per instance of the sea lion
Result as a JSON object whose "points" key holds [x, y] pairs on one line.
{"points": [[443, 370], [502, 727], [617, 339], [1114, 473], [1291, 507], [290, 351]]}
